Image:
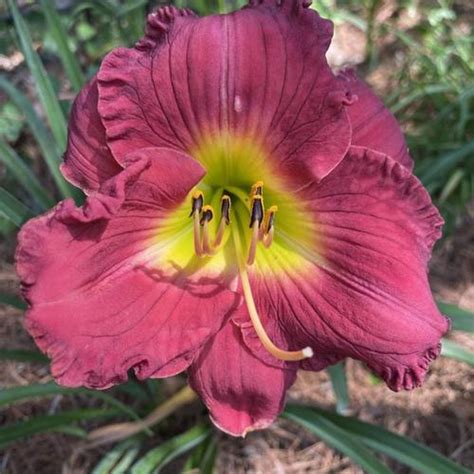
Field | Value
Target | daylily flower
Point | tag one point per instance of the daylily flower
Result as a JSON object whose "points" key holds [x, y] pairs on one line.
{"points": [[249, 214]]}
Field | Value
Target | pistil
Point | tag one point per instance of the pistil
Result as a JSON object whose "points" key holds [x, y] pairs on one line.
{"points": [[262, 226], [255, 318]]}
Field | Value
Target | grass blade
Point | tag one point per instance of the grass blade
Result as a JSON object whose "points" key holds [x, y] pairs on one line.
{"points": [[16, 394], [461, 319], [21, 355], [26, 392], [118, 459], [455, 351], [337, 373], [41, 424], [12, 209], [404, 450], [159, 457], [12, 300], [45, 89], [336, 437], [20, 171], [444, 164], [45, 141], [203, 457], [68, 59]]}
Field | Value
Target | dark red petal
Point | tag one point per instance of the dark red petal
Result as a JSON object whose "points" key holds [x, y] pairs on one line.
{"points": [[373, 125], [242, 393], [88, 161], [364, 293], [99, 306], [260, 73]]}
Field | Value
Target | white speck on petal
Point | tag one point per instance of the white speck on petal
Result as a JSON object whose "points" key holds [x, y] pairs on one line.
{"points": [[237, 104]]}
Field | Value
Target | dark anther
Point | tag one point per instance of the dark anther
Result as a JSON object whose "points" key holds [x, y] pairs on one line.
{"points": [[257, 189], [257, 212], [198, 203], [270, 222], [225, 208], [207, 215]]}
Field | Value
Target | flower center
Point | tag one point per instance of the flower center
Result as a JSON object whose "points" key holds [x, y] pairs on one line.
{"points": [[238, 223], [261, 227]]}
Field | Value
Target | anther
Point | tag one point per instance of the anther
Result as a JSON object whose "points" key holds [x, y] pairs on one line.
{"points": [[256, 218], [257, 212], [197, 206], [207, 216], [225, 208], [257, 189], [225, 219], [268, 227], [197, 202], [270, 218]]}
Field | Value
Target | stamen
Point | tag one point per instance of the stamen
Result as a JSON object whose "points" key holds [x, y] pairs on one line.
{"points": [[267, 236], [207, 216], [260, 330], [225, 208], [253, 243], [256, 219], [225, 219], [257, 212], [257, 189], [196, 208], [197, 202]]}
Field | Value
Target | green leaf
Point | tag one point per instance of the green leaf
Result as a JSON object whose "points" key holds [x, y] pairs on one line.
{"points": [[337, 373], [46, 423], [20, 171], [404, 450], [45, 141], [157, 458], [462, 320], [336, 437], [26, 392], [16, 394], [12, 209], [445, 163], [451, 185], [103, 7], [11, 122], [203, 457], [119, 459], [12, 300], [45, 89], [432, 89], [455, 351], [21, 355], [68, 59], [6, 226]]}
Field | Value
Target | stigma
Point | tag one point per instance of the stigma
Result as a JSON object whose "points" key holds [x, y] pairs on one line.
{"points": [[262, 230]]}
